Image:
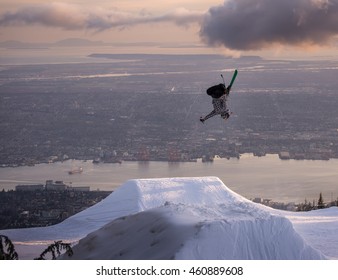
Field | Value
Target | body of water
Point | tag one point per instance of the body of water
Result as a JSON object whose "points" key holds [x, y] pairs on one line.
{"points": [[249, 176]]}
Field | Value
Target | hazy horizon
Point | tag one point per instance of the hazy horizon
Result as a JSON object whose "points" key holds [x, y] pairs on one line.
{"points": [[268, 28]]}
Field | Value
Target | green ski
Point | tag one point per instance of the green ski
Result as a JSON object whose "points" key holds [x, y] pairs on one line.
{"points": [[233, 79]]}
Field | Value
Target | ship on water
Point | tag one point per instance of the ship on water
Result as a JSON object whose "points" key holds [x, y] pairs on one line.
{"points": [[75, 171]]}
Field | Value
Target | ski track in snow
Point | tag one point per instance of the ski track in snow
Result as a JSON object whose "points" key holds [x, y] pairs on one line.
{"points": [[186, 218]]}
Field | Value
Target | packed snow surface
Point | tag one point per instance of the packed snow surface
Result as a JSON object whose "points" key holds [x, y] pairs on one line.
{"points": [[186, 218]]}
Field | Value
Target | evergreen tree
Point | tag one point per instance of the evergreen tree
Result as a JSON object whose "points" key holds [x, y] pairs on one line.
{"points": [[55, 250], [7, 250], [321, 204]]}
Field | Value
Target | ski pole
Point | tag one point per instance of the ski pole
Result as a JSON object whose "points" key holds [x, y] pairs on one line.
{"points": [[223, 79]]}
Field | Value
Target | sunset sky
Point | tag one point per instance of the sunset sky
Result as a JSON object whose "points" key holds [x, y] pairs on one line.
{"points": [[235, 26]]}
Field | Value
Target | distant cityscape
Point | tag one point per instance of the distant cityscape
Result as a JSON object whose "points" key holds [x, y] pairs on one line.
{"points": [[38, 205], [96, 112]]}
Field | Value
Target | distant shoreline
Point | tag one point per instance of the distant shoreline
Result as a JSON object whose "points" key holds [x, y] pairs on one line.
{"points": [[120, 161]]}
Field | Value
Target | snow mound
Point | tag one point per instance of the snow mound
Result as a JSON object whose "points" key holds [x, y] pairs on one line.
{"points": [[176, 218], [191, 218]]}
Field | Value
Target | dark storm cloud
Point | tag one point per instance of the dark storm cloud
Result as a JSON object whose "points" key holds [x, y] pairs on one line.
{"points": [[73, 17], [256, 24]]}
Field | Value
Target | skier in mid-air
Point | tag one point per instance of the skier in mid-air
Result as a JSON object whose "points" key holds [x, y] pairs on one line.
{"points": [[219, 103], [220, 94]]}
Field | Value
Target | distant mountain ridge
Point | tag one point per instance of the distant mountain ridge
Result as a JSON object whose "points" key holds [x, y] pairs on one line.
{"points": [[75, 42], [72, 42], [69, 42]]}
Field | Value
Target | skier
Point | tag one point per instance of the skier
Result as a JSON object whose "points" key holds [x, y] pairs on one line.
{"points": [[219, 103]]}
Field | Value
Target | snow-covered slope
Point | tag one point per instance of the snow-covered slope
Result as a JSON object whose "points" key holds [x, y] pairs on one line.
{"points": [[178, 231], [180, 218]]}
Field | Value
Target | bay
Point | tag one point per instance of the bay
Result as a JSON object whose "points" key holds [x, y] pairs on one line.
{"points": [[250, 176]]}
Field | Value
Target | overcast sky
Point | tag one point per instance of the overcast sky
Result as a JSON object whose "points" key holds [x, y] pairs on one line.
{"points": [[107, 20], [242, 26]]}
